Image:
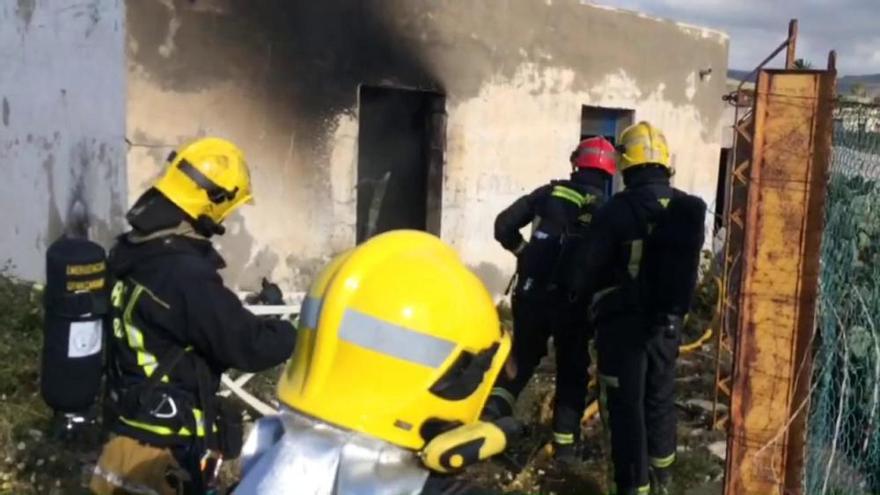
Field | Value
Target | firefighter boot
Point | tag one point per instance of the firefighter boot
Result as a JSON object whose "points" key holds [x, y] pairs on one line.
{"points": [[499, 404], [661, 480], [566, 450]]}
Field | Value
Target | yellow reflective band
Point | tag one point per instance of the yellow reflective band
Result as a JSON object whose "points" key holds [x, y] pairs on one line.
{"points": [[663, 462], [586, 218], [165, 431], [568, 194], [505, 395], [200, 425], [136, 338], [664, 202], [635, 258], [117, 296], [94, 284], [563, 438], [86, 269], [158, 430], [644, 489]]}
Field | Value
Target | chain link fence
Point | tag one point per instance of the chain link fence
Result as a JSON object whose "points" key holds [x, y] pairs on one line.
{"points": [[843, 444]]}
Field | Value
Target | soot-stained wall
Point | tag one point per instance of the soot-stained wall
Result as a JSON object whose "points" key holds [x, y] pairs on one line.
{"points": [[281, 79], [62, 148]]}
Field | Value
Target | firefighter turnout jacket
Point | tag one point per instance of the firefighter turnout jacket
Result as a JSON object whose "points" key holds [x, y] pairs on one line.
{"points": [[173, 317], [607, 274], [560, 213]]}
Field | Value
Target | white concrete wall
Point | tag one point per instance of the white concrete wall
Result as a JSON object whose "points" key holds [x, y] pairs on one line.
{"points": [[490, 165], [62, 91], [515, 75]]}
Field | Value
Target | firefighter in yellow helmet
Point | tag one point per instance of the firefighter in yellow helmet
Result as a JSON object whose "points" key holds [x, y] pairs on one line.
{"points": [[639, 271], [398, 347], [176, 328]]}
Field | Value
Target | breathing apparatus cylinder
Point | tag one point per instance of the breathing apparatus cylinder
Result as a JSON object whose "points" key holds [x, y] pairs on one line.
{"points": [[76, 304]]}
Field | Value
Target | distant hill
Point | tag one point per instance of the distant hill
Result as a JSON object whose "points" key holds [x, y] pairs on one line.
{"points": [[871, 82], [844, 84]]}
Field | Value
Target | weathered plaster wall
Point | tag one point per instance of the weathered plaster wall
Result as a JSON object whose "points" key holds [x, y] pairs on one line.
{"points": [[281, 79], [62, 87]]}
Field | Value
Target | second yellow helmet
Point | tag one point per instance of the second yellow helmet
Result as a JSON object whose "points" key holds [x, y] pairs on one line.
{"points": [[207, 177], [643, 144], [397, 339]]}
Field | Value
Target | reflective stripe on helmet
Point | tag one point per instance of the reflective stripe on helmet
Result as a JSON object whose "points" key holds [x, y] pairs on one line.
{"points": [[311, 308], [392, 340], [595, 151], [568, 194]]}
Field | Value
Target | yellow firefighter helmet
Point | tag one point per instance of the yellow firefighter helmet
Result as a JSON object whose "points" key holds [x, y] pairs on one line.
{"points": [[643, 144], [396, 338], [207, 177]]}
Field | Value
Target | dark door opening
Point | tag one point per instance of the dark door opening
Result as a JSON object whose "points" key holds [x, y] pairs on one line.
{"points": [[401, 145], [721, 188], [608, 123]]}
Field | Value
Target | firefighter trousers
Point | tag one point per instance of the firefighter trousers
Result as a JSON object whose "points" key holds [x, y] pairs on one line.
{"points": [[637, 387], [535, 320]]}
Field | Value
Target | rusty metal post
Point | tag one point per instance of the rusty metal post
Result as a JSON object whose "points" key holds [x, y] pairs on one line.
{"points": [[792, 44], [780, 268], [735, 225]]}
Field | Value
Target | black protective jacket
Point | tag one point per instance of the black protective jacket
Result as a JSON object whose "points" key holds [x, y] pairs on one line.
{"points": [[169, 299], [560, 213], [610, 262]]}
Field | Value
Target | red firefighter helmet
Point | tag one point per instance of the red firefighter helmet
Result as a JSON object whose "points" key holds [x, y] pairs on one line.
{"points": [[595, 152]]}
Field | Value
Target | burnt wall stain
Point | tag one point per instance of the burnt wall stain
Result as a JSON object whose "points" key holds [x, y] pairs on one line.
{"points": [[304, 61], [25, 11], [54, 222], [5, 112], [307, 58], [310, 57], [80, 165]]}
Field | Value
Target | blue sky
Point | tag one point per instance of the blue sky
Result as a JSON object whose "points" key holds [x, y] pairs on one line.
{"points": [[852, 27]]}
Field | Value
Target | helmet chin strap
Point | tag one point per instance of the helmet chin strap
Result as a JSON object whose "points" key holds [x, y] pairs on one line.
{"points": [[207, 227]]}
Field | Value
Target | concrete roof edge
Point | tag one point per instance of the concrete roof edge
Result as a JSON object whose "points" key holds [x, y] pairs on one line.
{"points": [[721, 35]]}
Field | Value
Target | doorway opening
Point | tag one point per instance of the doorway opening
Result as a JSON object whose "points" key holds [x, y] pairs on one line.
{"points": [[401, 147], [608, 123]]}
